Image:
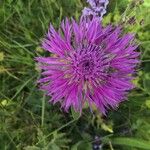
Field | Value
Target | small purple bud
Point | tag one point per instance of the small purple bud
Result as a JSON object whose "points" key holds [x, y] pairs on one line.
{"points": [[97, 9]]}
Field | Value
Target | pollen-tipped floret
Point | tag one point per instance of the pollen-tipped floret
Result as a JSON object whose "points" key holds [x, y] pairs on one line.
{"points": [[88, 63]]}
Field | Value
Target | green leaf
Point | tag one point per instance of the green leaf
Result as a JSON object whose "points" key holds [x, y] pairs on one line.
{"points": [[1, 56], [147, 82], [107, 127], [137, 143], [54, 147], [75, 147], [147, 102], [75, 114], [31, 148], [82, 145]]}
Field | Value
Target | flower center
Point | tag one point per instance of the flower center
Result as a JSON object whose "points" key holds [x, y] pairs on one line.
{"points": [[86, 66]]}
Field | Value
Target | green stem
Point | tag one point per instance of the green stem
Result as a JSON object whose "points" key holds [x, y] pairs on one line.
{"points": [[43, 111]]}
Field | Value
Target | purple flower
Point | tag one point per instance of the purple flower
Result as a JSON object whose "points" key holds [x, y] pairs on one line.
{"points": [[97, 9], [88, 63]]}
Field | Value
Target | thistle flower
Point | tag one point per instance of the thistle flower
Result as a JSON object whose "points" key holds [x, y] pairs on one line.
{"points": [[97, 9], [88, 64]]}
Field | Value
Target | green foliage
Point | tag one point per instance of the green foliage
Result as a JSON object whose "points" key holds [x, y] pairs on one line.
{"points": [[27, 120], [132, 142]]}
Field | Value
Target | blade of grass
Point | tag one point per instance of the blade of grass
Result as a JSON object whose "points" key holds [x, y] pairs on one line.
{"points": [[43, 111], [131, 142], [19, 90], [63, 126]]}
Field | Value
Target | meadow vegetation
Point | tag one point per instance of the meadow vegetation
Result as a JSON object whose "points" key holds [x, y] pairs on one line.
{"points": [[28, 121]]}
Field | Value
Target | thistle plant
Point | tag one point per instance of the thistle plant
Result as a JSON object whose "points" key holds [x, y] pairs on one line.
{"points": [[88, 63]]}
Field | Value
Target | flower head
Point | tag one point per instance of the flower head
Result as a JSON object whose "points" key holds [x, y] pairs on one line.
{"points": [[88, 64], [97, 9]]}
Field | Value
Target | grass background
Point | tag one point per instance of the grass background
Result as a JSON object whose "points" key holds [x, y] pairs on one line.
{"points": [[27, 121]]}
